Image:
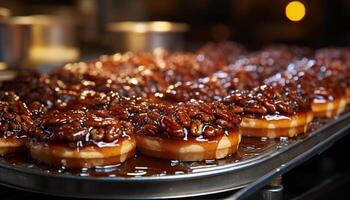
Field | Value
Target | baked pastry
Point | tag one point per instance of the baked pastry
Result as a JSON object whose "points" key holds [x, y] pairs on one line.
{"points": [[324, 83], [191, 131], [337, 63], [88, 134], [187, 106], [77, 139], [328, 101], [271, 112], [15, 121]]}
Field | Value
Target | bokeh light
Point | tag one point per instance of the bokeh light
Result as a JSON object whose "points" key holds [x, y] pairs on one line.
{"points": [[295, 11]]}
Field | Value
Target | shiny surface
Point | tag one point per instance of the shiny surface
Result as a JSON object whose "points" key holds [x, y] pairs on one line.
{"points": [[142, 27], [221, 175], [27, 41], [295, 11], [146, 36], [257, 103]]}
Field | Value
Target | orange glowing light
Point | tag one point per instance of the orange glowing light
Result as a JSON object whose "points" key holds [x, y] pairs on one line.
{"points": [[295, 11]]}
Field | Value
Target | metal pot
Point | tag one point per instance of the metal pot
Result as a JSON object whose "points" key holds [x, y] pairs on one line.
{"points": [[146, 36], [5, 12], [27, 41]]}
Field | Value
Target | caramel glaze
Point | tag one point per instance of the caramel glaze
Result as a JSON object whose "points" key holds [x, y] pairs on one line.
{"points": [[12, 144], [99, 154], [193, 130], [193, 119], [192, 149], [149, 87], [271, 111], [141, 165], [324, 81], [268, 100], [15, 117], [90, 130], [274, 133], [15, 122]]}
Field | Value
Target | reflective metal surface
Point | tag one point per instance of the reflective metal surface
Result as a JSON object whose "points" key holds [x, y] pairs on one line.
{"points": [[146, 36], [207, 181], [28, 41]]}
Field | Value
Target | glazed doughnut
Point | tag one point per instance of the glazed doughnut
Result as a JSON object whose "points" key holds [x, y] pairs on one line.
{"points": [[276, 126], [82, 157], [328, 108], [11, 145], [189, 150], [337, 61], [271, 112], [328, 98], [188, 106], [15, 121], [327, 55], [81, 138], [321, 84], [264, 63], [191, 131]]}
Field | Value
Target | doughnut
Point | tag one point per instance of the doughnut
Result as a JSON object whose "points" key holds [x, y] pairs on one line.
{"points": [[329, 108], [187, 106], [337, 61], [82, 157], [264, 63], [328, 98], [271, 112], [189, 150], [321, 83], [191, 131], [15, 121], [78, 138], [275, 126], [11, 145]]}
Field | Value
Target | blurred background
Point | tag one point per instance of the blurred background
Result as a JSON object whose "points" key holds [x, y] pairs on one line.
{"points": [[253, 23], [89, 26], [71, 30], [80, 28]]}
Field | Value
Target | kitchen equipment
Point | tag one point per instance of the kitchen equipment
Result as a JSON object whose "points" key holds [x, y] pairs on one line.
{"points": [[28, 41], [267, 163], [146, 36], [4, 12]]}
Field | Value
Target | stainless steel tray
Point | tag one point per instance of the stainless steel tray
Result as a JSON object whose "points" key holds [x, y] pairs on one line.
{"points": [[208, 180]]}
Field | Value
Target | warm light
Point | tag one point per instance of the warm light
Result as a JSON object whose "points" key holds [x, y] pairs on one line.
{"points": [[4, 12], [53, 54], [143, 27], [295, 11]]}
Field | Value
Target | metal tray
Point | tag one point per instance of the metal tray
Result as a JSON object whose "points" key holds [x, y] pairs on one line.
{"points": [[208, 180]]}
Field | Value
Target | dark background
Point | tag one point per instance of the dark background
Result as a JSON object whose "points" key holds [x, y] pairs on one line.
{"points": [[254, 23]]}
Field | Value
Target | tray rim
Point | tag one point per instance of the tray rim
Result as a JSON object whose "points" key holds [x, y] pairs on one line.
{"points": [[210, 171], [167, 186]]}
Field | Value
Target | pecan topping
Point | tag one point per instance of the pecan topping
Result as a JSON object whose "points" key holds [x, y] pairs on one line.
{"points": [[270, 100], [191, 119], [200, 94], [83, 126], [15, 117], [172, 127]]}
